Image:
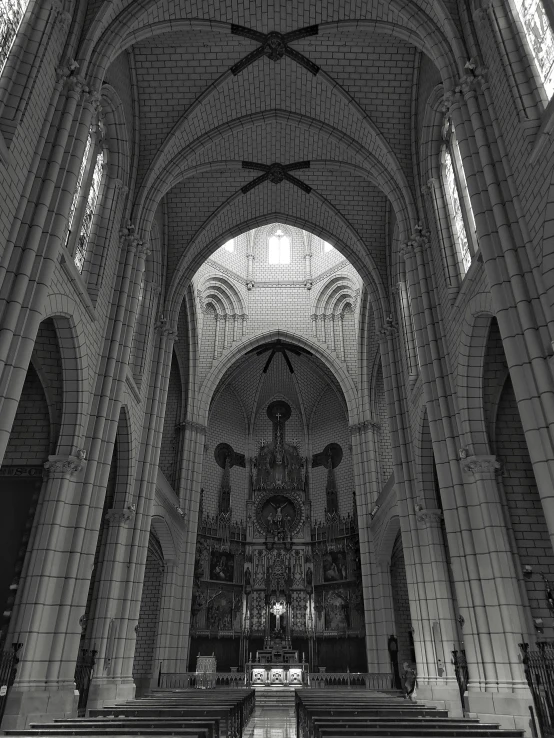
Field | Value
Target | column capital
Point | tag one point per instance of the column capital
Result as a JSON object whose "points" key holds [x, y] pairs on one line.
{"points": [[120, 516], [65, 467], [143, 249], [480, 466], [364, 425], [429, 517], [128, 239], [192, 425]]}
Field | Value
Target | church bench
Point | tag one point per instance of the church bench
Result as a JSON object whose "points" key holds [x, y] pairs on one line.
{"points": [[55, 731], [230, 716], [136, 725]]}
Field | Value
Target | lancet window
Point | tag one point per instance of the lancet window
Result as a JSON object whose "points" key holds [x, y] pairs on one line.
{"points": [[86, 197], [462, 223], [279, 248], [229, 245], [538, 31], [11, 15]]}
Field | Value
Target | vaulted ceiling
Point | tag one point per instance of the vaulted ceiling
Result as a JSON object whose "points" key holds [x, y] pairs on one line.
{"points": [[343, 97]]}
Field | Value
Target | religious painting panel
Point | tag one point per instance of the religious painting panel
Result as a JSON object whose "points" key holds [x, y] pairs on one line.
{"points": [[222, 566], [334, 566], [337, 610]]}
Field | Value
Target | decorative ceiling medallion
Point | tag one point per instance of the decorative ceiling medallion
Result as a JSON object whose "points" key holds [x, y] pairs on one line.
{"points": [[274, 46], [276, 173], [277, 511]]}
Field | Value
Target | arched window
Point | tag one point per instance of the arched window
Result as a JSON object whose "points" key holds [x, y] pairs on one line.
{"points": [[85, 198], [229, 245], [327, 247], [462, 222], [279, 248], [538, 31], [11, 15]]}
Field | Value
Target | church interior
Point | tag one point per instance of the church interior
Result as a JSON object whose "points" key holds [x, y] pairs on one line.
{"points": [[277, 368]]}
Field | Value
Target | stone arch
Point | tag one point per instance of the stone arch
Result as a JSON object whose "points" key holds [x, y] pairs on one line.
{"points": [[390, 530], [431, 29], [70, 332], [424, 460], [203, 398], [348, 242], [160, 527], [469, 373]]}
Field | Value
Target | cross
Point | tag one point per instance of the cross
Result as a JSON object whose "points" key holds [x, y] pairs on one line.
{"points": [[275, 46], [278, 416]]}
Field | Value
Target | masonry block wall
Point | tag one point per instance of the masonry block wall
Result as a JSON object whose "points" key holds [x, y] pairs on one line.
{"points": [[227, 424], [143, 666], [525, 509], [401, 602], [171, 434], [30, 436]]}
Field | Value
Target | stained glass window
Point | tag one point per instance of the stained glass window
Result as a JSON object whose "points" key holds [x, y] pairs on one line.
{"points": [[279, 248], [78, 188], [540, 37], [90, 209], [11, 15], [459, 204]]}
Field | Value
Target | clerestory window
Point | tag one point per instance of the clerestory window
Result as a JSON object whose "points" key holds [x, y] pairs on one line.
{"points": [[540, 38], [279, 248], [462, 222], [229, 246], [85, 198], [11, 15], [327, 247]]}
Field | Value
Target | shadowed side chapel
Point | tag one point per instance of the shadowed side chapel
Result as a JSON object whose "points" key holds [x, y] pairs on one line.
{"points": [[276, 368]]}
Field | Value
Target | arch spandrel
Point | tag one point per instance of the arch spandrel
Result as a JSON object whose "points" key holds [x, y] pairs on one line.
{"points": [[323, 221], [199, 406], [427, 19]]}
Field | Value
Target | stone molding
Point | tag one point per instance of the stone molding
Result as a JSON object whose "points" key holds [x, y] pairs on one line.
{"points": [[191, 425], [364, 425], [118, 516], [430, 517], [480, 465], [63, 467]]}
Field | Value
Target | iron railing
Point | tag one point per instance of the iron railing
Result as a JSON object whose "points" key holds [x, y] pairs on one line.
{"points": [[84, 670], [190, 679], [350, 679], [8, 669], [539, 672], [461, 671]]}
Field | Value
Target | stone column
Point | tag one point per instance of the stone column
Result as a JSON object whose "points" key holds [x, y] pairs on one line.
{"points": [[504, 612], [514, 283], [217, 319], [44, 686], [189, 496], [167, 652], [442, 626], [26, 286]]}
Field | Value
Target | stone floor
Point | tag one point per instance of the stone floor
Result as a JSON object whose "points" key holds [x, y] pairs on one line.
{"points": [[271, 722]]}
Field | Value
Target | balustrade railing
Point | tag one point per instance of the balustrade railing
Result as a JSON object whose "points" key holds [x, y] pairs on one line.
{"points": [[539, 671], [329, 679], [190, 679], [84, 670], [8, 668]]}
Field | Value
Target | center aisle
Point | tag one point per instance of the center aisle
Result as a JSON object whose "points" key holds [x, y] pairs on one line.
{"points": [[271, 722]]}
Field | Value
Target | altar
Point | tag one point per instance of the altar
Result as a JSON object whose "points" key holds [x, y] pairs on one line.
{"points": [[276, 674]]}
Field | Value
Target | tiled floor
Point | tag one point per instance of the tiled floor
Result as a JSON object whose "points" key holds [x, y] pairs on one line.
{"points": [[271, 722]]}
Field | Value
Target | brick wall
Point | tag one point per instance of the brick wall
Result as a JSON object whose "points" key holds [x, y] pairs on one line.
{"points": [[30, 437], [401, 603], [525, 508], [171, 436], [143, 666]]}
